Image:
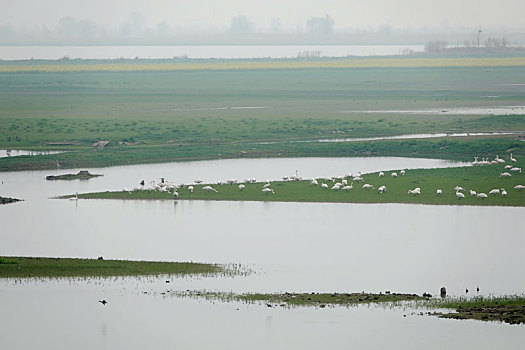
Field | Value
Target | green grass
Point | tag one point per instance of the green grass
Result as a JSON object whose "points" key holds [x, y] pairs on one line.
{"points": [[66, 267], [167, 116], [479, 178]]}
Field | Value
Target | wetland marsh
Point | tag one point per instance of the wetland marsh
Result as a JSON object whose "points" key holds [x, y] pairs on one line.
{"points": [[364, 242]]}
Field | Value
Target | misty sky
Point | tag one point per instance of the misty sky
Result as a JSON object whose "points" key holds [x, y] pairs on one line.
{"points": [[279, 14]]}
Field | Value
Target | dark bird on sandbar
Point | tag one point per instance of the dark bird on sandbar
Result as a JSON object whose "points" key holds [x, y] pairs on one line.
{"points": [[103, 302]]}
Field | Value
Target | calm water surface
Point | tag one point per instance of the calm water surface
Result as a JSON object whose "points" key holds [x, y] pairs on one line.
{"points": [[306, 247]]}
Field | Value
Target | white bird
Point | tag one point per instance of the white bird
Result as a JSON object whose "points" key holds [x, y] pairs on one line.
{"points": [[414, 191], [439, 192], [475, 162], [336, 187], [190, 188], [209, 188], [198, 181], [367, 186], [267, 190], [314, 182], [472, 192], [460, 195], [231, 181], [505, 174], [519, 187], [394, 174], [494, 191], [458, 188], [324, 185], [344, 182], [482, 195], [503, 192], [285, 178], [515, 169], [381, 174], [266, 185], [175, 195], [242, 187], [357, 178], [499, 160], [402, 172], [508, 166], [381, 189], [347, 188], [74, 198], [512, 159]]}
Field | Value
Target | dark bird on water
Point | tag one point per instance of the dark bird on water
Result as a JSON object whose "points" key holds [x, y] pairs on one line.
{"points": [[142, 183], [103, 302], [466, 290], [477, 289]]}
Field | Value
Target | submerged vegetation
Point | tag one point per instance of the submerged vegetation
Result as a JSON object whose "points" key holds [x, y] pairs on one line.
{"points": [[66, 267], [481, 179], [304, 299], [6, 200], [508, 309]]}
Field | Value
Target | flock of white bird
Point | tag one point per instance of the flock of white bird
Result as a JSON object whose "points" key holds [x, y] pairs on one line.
{"points": [[338, 183]]}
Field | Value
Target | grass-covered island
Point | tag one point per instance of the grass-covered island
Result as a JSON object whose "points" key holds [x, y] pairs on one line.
{"points": [[66, 267], [7, 200], [482, 179], [81, 175], [508, 309]]}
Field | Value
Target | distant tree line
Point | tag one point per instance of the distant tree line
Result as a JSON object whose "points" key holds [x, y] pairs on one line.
{"points": [[489, 43]]}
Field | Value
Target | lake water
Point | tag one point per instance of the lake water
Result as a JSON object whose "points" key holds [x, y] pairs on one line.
{"points": [[226, 52], [4, 153], [300, 247]]}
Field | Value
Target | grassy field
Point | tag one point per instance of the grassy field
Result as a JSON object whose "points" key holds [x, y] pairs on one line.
{"points": [[160, 116], [261, 64], [64, 267], [478, 178]]}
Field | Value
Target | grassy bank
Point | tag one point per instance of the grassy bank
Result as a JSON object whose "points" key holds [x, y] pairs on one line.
{"points": [[65, 267], [478, 178], [150, 117]]}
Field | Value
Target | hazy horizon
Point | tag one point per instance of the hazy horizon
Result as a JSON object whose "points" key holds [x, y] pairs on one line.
{"points": [[254, 22]]}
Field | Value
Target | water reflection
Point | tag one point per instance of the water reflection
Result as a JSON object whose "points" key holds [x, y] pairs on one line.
{"points": [[300, 247]]}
